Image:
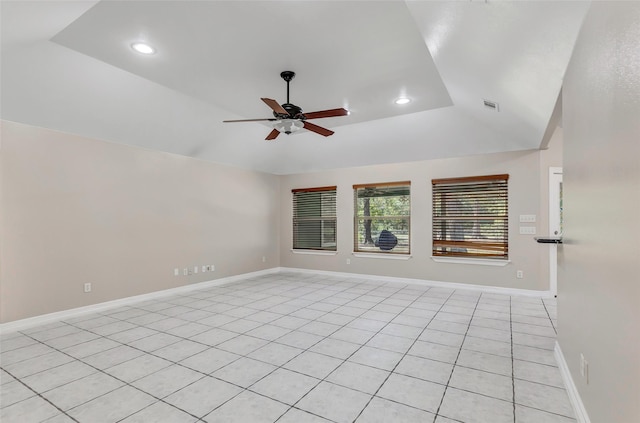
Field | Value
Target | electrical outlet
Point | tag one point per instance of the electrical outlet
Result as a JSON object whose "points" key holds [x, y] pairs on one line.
{"points": [[519, 274], [176, 272], [213, 268], [204, 269], [87, 287], [348, 261], [185, 271], [195, 269]]}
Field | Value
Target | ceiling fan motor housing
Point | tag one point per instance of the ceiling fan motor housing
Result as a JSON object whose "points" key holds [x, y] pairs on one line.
{"points": [[294, 112]]}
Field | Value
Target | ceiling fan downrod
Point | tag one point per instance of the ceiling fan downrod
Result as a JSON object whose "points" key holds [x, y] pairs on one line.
{"points": [[287, 76]]}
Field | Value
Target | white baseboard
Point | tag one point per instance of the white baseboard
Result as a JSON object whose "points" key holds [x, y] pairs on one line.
{"points": [[94, 308], [424, 282], [572, 390], [74, 312]]}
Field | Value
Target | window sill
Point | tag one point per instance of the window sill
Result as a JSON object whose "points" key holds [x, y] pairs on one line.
{"points": [[481, 262], [383, 256], [315, 252]]}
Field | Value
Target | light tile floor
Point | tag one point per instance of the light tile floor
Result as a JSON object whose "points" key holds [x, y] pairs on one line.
{"points": [[293, 347]]}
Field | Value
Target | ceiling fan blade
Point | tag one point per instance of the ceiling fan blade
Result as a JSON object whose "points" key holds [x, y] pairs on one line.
{"points": [[273, 135], [317, 129], [275, 106], [248, 120], [327, 113]]}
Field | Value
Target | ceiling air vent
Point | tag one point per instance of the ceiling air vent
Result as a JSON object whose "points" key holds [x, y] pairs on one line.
{"points": [[491, 105]]}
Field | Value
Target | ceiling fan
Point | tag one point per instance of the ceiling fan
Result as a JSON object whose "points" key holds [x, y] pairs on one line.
{"points": [[289, 118]]}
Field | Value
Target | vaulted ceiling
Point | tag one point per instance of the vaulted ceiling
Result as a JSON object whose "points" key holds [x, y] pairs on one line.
{"points": [[69, 66]]}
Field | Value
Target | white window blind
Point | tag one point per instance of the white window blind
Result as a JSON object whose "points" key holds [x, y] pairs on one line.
{"points": [[382, 218], [470, 217], [314, 218]]}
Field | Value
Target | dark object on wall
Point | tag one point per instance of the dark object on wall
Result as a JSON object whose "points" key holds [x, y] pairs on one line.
{"points": [[386, 241]]}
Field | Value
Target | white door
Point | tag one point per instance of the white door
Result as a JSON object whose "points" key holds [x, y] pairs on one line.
{"points": [[555, 224]]}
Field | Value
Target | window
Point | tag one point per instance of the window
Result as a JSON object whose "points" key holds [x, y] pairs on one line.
{"points": [[470, 217], [382, 218], [314, 218]]}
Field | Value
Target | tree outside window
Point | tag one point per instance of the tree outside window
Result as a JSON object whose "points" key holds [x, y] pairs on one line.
{"points": [[382, 218]]}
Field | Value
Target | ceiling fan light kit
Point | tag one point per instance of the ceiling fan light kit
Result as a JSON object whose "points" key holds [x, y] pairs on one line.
{"points": [[288, 125], [289, 118]]}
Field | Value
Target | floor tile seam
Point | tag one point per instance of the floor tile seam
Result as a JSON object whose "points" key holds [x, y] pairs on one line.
{"points": [[29, 358], [37, 394], [292, 358], [473, 336], [405, 354], [485, 371], [125, 383], [42, 371], [488, 339], [183, 338], [178, 305], [538, 362], [444, 393], [344, 361], [551, 349], [554, 366], [324, 379], [563, 388], [403, 404], [130, 384], [550, 319], [325, 337], [541, 383], [535, 334], [305, 411], [510, 402], [546, 411]]}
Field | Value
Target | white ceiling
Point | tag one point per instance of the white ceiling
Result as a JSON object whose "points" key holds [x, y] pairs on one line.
{"points": [[68, 65]]}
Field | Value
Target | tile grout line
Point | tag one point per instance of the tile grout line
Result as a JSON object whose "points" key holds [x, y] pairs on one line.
{"points": [[372, 290], [456, 360], [343, 360], [40, 396], [406, 353], [108, 374], [550, 319]]}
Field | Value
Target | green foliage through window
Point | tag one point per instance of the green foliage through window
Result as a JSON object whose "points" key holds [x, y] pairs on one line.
{"points": [[382, 218]]}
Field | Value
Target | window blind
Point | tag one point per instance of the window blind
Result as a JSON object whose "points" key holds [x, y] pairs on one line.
{"points": [[314, 218], [470, 217]]}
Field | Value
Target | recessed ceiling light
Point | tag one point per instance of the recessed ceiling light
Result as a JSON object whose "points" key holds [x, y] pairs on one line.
{"points": [[143, 48], [402, 100]]}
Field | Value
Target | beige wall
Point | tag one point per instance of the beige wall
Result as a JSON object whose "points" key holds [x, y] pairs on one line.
{"points": [[599, 288], [525, 191], [77, 210]]}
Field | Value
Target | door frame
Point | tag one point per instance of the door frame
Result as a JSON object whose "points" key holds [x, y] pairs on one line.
{"points": [[555, 229]]}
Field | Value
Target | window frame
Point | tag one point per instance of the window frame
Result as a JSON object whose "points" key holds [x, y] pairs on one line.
{"points": [[499, 185], [356, 245], [324, 246]]}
